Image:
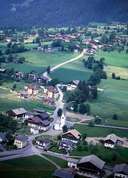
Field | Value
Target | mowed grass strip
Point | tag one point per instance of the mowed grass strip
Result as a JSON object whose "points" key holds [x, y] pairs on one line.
{"points": [[28, 167]]}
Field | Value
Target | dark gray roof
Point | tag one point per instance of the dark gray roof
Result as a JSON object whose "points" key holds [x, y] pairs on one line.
{"points": [[42, 140], [67, 142], [121, 168], [64, 173], [22, 138], [93, 159]]}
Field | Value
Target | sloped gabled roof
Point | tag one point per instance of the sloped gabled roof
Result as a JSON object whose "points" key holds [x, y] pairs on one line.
{"points": [[73, 132], [93, 159]]}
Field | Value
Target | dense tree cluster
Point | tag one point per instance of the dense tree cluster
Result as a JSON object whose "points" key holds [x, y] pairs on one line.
{"points": [[15, 48], [7, 124], [98, 70]]}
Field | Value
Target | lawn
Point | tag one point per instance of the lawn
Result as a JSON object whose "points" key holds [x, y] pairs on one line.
{"points": [[99, 131], [114, 58], [38, 61], [72, 71], [29, 167], [113, 100]]}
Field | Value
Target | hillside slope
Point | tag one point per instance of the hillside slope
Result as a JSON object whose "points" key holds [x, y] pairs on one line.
{"points": [[61, 12]]}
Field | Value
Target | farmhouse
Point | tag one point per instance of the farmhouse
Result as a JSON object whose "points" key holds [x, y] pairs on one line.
{"points": [[91, 166], [72, 135], [38, 124], [120, 171], [20, 141], [17, 113], [112, 140]]}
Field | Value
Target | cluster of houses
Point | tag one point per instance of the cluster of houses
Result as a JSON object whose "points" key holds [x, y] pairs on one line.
{"points": [[32, 77], [37, 120], [91, 167], [50, 95], [29, 91]]}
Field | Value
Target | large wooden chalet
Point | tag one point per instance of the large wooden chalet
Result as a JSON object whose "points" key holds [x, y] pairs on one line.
{"points": [[17, 113], [72, 135], [39, 123], [91, 166]]}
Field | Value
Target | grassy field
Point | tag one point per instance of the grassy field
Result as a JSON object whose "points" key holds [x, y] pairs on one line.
{"points": [[38, 61], [98, 131], [29, 167], [113, 100], [119, 71], [118, 155], [72, 71], [114, 58]]}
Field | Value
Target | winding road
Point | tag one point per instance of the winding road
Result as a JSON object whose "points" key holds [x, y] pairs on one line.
{"points": [[31, 149]]}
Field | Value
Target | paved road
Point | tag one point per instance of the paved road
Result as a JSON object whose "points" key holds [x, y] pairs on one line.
{"points": [[45, 74], [69, 61]]}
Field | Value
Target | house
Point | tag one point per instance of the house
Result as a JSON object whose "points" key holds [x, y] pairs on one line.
{"points": [[20, 141], [3, 137], [67, 145], [17, 113], [91, 166], [19, 75], [31, 90], [120, 171], [112, 140], [50, 94], [44, 144], [72, 135], [72, 163], [64, 173], [38, 124]]}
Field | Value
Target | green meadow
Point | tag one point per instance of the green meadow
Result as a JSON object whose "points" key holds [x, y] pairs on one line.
{"points": [[72, 71], [114, 58], [28, 167], [112, 100], [38, 61]]}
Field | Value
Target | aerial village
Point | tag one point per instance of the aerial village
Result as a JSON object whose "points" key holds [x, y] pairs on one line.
{"points": [[57, 132]]}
